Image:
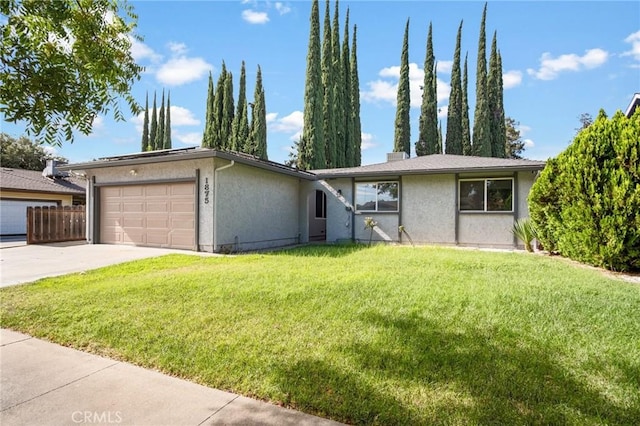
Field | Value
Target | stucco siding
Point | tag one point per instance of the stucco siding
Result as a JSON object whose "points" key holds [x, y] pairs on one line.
{"points": [[429, 207], [385, 230], [255, 209], [485, 229], [339, 208], [525, 182]]}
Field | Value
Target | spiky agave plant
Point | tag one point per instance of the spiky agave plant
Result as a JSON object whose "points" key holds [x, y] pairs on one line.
{"points": [[369, 223], [523, 230]]}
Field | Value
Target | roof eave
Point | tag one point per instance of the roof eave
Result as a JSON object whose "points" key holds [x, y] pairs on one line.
{"points": [[354, 174], [100, 164]]}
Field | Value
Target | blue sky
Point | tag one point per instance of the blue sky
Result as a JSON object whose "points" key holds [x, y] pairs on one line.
{"points": [[560, 59]]}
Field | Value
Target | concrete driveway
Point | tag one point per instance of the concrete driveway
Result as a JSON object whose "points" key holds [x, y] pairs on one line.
{"points": [[25, 263]]}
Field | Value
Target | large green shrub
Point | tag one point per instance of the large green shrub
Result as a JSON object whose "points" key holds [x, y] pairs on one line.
{"points": [[586, 202]]}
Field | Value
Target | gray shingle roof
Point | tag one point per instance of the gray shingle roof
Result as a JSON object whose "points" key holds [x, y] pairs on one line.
{"points": [[31, 180], [434, 164]]}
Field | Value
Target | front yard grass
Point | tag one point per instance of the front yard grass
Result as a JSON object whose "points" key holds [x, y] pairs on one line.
{"points": [[381, 335]]}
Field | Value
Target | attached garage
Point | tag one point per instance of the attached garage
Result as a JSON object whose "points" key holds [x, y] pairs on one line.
{"points": [[14, 215], [155, 215]]}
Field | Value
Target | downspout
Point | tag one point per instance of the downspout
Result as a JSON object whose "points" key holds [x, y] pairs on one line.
{"points": [[215, 201]]}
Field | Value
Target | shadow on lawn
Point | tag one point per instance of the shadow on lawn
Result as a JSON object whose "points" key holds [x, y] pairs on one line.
{"points": [[447, 377]]}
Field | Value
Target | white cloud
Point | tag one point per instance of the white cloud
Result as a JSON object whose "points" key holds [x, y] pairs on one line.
{"points": [[291, 123], [182, 117], [511, 79], [367, 141], [523, 129], [443, 111], [177, 48], [141, 51], [182, 70], [253, 17], [445, 67], [634, 40], [179, 117], [190, 138], [528, 143], [282, 8], [98, 123], [387, 91], [551, 67]]}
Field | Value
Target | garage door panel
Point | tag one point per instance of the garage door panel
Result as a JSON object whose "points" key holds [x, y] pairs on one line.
{"points": [[182, 241], [13, 215], [133, 207], [132, 191], [157, 223], [157, 215], [182, 207], [157, 206]]}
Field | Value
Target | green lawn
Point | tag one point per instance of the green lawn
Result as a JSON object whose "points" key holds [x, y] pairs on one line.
{"points": [[381, 335]]}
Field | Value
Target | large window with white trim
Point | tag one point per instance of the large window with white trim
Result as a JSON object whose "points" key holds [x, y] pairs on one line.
{"points": [[377, 196], [485, 195]]}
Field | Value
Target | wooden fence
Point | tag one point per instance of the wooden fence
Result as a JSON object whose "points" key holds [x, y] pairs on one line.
{"points": [[56, 224]]}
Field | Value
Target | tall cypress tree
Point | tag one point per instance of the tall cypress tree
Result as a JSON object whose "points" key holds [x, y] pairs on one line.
{"points": [[218, 110], [153, 131], [349, 153], [428, 138], [328, 85], [258, 134], [496, 113], [311, 153], [240, 128], [207, 137], [466, 129], [228, 113], [355, 102], [160, 134], [453, 141], [167, 125], [502, 125], [338, 92], [144, 144], [481, 127], [402, 135]]}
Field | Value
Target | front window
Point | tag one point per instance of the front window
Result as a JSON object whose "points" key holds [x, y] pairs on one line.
{"points": [[377, 197], [486, 195]]}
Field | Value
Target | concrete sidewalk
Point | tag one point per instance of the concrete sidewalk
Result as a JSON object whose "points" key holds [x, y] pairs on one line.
{"points": [[47, 384]]}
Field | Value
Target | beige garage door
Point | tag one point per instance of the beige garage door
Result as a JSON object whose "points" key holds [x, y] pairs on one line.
{"points": [[158, 215]]}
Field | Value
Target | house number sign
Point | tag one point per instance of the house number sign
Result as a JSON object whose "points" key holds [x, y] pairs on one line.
{"points": [[206, 190]]}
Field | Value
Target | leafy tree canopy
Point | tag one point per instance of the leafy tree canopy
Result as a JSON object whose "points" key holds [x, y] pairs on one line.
{"points": [[23, 153], [64, 62]]}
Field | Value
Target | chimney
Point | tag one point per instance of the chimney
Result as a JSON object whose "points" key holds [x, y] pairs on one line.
{"points": [[397, 156], [51, 170]]}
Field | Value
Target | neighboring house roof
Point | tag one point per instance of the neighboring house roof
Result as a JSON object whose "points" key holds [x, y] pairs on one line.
{"points": [[33, 181], [635, 103], [193, 153], [433, 164]]}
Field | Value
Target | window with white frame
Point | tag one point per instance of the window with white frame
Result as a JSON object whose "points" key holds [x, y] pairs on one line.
{"points": [[485, 195], [377, 196]]}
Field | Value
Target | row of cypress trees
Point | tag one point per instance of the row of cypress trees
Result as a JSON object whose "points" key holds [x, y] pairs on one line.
{"points": [[331, 135], [158, 135], [488, 137], [227, 125]]}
